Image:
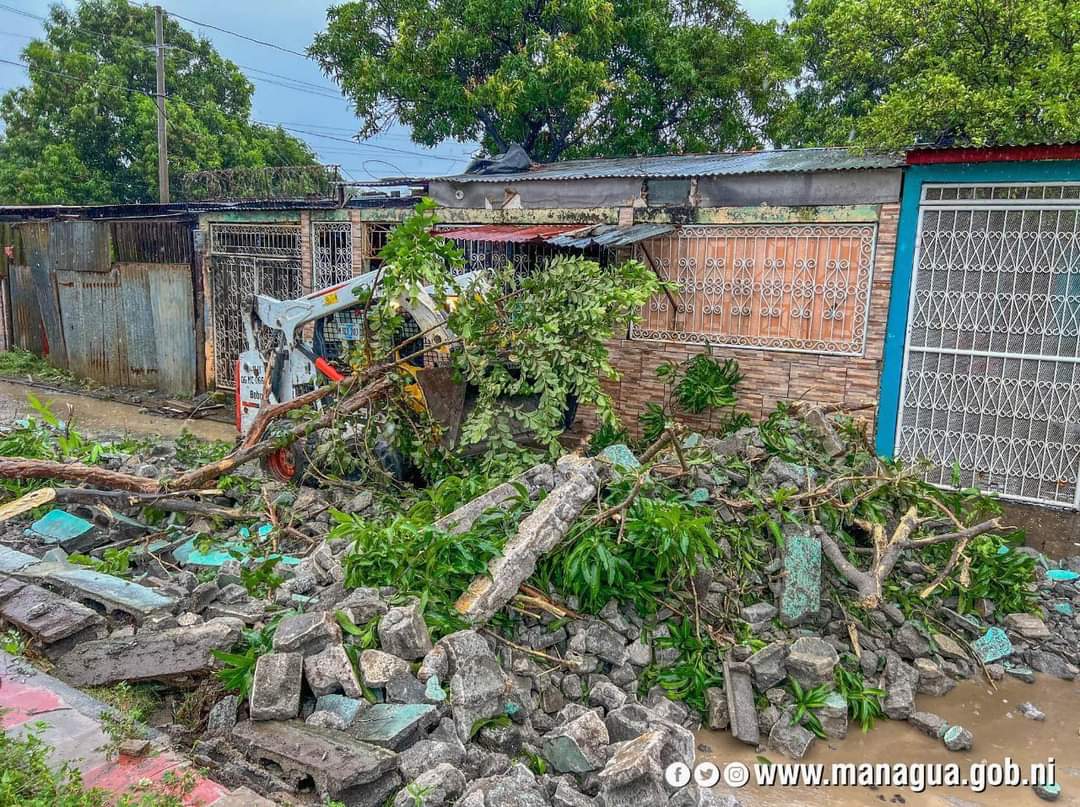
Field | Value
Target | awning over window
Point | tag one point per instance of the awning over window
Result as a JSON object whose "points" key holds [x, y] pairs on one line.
{"points": [[510, 233]]}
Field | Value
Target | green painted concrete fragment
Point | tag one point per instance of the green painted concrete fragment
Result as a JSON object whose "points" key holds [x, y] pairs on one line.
{"points": [[992, 645], [565, 756], [59, 528], [434, 691], [620, 456], [1061, 575], [385, 724], [188, 554], [801, 597]]}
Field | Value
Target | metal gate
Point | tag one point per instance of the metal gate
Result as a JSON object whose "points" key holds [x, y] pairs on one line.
{"points": [[248, 259], [991, 381]]}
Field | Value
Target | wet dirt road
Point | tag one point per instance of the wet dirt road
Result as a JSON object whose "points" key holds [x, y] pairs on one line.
{"points": [[98, 417], [999, 730]]}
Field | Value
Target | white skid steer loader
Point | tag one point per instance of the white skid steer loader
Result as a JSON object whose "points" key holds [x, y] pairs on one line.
{"points": [[335, 314]]}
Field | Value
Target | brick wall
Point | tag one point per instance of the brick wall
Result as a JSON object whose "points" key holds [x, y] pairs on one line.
{"points": [[769, 376]]}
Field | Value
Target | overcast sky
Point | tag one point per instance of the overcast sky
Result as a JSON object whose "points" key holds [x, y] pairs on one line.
{"points": [[291, 24]]}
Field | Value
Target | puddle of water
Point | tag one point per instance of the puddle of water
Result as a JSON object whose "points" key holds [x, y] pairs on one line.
{"points": [[95, 416], [991, 716]]}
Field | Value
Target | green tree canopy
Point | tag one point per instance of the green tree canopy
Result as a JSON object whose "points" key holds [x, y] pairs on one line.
{"points": [[564, 78], [889, 73], [84, 130]]}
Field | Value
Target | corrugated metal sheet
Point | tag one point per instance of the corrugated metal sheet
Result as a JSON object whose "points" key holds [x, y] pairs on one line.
{"points": [[26, 329], [132, 326], [610, 235], [78, 246], [151, 241], [509, 233], [790, 161], [35, 244]]}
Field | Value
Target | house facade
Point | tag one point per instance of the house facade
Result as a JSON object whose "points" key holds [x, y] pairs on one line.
{"points": [[937, 291]]}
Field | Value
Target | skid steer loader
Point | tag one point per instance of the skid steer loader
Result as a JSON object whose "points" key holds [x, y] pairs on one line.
{"points": [[335, 316]]}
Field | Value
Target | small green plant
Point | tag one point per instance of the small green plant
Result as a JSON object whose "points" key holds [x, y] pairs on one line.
{"points": [[807, 704], [238, 666], [702, 383], [996, 572], [608, 434], [13, 642], [19, 363], [262, 579], [499, 721], [864, 703], [193, 451], [125, 720], [366, 637], [116, 562], [418, 793], [697, 669]]}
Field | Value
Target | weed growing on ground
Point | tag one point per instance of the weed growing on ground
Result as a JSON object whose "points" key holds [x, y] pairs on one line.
{"points": [[19, 363], [130, 708], [116, 562], [13, 642], [193, 451], [421, 560], [808, 702], [697, 669], [238, 667], [864, 703]]}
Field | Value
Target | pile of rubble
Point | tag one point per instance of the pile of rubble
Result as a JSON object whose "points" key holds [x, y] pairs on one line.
{"points": [[550, 711]]}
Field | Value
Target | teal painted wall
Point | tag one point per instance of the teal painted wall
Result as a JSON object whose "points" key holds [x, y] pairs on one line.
{"points": [[915, 177]]}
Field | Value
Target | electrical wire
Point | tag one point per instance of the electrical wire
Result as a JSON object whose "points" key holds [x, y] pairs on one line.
{"points": [[365, 145], [20, 12], [262, 42]]}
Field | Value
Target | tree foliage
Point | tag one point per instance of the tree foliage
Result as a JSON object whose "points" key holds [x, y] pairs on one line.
{"points": [[889, 73], [84, 130], [564, 78]]}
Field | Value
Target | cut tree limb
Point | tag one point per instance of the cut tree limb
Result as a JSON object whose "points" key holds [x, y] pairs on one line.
{"points": [[21, 468], [870, 582]]}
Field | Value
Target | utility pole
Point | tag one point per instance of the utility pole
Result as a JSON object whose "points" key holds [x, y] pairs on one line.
{"points": [[162, 135]]}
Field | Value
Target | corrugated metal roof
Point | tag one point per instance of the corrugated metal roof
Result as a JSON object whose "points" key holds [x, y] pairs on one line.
{"points": [[610, 235], [697, 165], [514, 233]]}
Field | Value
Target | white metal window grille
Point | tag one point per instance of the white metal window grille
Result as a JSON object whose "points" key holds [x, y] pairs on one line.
{"points": [[248, 259], [793, 287], [331, 252], [991, 381]]}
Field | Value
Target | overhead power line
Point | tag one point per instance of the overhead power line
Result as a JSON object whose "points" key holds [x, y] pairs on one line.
{"points": [[365, 145], [237, 34], [20, 12], [81, 79]]}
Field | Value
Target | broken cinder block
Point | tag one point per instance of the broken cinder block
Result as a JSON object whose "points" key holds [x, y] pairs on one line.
{"points": [[149, 656]]}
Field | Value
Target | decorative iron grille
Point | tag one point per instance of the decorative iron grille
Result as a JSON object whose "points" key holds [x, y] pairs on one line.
{"points": [[798, 287], [991, 384], [331, 252], [245, 260]]}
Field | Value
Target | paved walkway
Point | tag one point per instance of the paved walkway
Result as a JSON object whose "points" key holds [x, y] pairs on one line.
{"points": [[28, 696]]}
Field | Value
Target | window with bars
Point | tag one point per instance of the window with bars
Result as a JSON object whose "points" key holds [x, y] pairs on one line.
{"points": [[802, 287]]}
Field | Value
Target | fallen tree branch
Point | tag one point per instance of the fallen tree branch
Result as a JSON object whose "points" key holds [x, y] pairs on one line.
{"points": [[170, 504], [21, 468], [870, 582]]}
